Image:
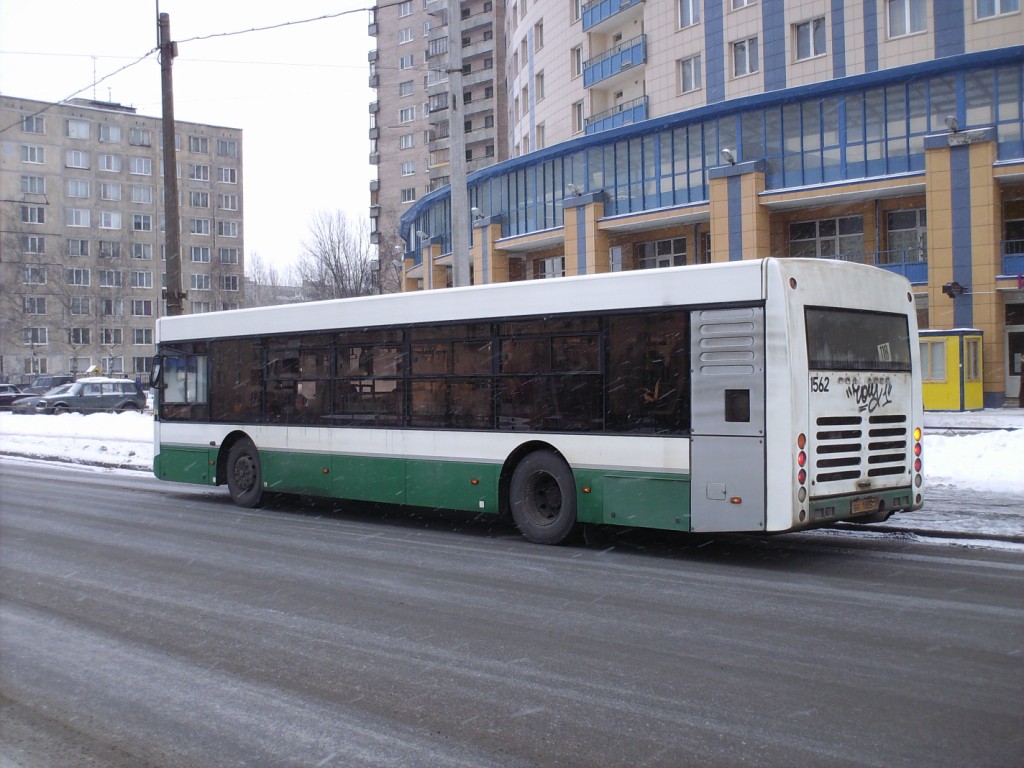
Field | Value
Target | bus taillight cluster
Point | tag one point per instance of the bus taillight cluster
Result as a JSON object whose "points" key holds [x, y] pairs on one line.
{"points": [[917, 460], [801, 461]]}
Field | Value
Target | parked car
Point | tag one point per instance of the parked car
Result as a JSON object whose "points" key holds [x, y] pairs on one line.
{"points": [[8, 394], [87, 396], [42, 384]]}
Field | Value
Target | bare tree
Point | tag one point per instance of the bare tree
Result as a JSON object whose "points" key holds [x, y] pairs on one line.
{"points": [[338, 260], [266, 284]]}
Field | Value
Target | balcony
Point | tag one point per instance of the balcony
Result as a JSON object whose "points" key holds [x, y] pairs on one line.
{"points": [[375, 80], [624, 114], [372, 29], [623, 56], [599, 11], [1013, 257], [911, 263]]}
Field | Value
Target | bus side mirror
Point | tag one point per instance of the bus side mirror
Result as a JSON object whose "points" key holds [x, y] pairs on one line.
{"points": [[156, 379]]}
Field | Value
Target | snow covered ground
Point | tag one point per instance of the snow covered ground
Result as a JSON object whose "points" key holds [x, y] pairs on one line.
{"points": [[960, 466]]}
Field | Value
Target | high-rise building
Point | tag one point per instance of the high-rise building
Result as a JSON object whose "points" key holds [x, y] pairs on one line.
{"points": [[82, 252], [410, 126], [650, 133]]}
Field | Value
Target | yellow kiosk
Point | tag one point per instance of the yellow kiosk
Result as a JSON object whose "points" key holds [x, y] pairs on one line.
{"points": [[951, 370]]}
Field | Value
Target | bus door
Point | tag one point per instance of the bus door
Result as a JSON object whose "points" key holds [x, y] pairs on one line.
{"points": [[727, 449]]}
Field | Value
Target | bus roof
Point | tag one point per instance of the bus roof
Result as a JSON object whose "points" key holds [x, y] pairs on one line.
{"points": [[711, 284]]}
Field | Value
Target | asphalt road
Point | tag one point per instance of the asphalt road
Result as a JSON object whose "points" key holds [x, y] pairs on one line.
{"points": [[150, 624]]}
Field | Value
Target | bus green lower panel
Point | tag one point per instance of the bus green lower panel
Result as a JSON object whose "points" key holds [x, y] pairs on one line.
{"points": [[184, 465], [285, 472], [369, 478], [452, 485], [646, 502]]}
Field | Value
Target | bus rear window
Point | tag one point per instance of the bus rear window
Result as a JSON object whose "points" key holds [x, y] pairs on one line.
{"points": [[855, 340]]}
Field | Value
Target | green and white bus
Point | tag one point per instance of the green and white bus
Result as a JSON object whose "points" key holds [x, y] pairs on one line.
{"points": [[757, 396]]}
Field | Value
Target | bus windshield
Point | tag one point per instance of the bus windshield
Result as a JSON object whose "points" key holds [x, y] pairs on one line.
{"points": [[855, 340]]}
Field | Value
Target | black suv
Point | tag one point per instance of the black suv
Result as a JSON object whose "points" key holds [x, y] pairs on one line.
{"points": [[87, 396]]}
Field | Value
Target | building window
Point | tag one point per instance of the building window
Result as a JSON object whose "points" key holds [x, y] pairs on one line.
{"points": [[199, 253], [111, 337], [110, 134], [77, 217], [229, 282], [199, 199], [737, 4], [907, 234], [143, 222], [548, 268], [140, 137], [32, 124], [34, 336], [228, 255], [110, 219], [140, 166], [744, 57], [76, 158], [689, 12], [142, 336], [405, 9], [79, 305], [33, 244], [690, 74], [141, 194], [200, 282], [407, 141], [577, 117], [110, 163], [32, 154], [406, 88], [33, 214], [110, 190], [112, 307], [228, 202], [142, 307], [199, 226], [227, 175], [408, 168], [933, 360], [227, 228], [78, 129], [405, 62], [986, 9], [575, 10], [538, 35], [109, 249], [142, 279], [809, 38], [111, 278], [198, 172], [841, 238], [78, 337], [662, 253], [78, 276], [405, 36], [77, 247], [142, 251], [538, 87], [407, 114], [78, 188], [34, 276], [408, 194], [33, 185], [907, 17], [35, 305], [199, 144]]}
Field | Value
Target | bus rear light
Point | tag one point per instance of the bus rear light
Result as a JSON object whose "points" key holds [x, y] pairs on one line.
{"points": [[917, 465], [917, 434], [917, 449], [802, 495], [735, 500], [474, 481], [801, 459], [801, 476], [801, 441]]}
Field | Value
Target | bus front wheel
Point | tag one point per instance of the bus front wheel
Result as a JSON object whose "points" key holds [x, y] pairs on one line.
{"points": [[245, 479], [542, 496]]}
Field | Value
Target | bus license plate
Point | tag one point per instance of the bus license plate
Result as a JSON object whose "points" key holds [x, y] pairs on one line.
{"points": [[864, 505]]}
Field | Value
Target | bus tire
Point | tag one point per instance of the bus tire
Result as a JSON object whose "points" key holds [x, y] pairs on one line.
{"points": [[245, 478], [542, 497]]}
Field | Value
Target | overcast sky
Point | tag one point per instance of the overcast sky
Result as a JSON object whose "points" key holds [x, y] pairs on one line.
{"points": [[299, 93]]}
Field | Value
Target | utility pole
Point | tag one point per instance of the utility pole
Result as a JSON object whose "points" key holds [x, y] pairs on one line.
{"points": [[459, 197], [172, 229]]}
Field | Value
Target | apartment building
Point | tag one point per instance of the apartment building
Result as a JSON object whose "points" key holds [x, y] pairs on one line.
{"points": [[672, 132], [82, 251], [410, 120]]}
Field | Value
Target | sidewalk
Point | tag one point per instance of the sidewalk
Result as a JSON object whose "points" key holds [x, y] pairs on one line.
{"points": [[990, 418]]}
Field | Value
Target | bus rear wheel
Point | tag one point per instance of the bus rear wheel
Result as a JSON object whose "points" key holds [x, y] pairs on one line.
{"points": [[542, 496], [245, 478]]}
